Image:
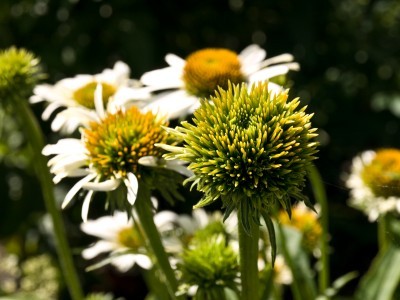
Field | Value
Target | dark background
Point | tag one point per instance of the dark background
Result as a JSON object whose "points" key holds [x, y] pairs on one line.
{"points": [[349, 56]]}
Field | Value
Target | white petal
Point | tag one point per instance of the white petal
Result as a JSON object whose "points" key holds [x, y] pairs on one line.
{"points": [[177, 166], [175, 61], [73, 146], [107, 185], [98, 101], [75, 189], [166, 78], [282, 58], [143, 261], [107, 227], [173, 104], [132, 185], [85, 206], [50, 109], [164, 219], [98, 248], [251, 58], [124, 262], [268, 73]]}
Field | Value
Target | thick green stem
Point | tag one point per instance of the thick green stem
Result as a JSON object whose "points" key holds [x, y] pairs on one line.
{"points": [[146, 219], [248, 249], [320, 196], [36, 141], [383, 232]]}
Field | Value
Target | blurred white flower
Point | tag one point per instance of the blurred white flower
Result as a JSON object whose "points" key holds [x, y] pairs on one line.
{"points": [[122, 239], [76, 94], [374, 182], [199, 75]]}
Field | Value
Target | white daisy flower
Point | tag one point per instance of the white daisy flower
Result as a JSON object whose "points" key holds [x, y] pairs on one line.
{"points": [[374, 182], [77, 93], [108, 153], [122, 238], [203, 71]]}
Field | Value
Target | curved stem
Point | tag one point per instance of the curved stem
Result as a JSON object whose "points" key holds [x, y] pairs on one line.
{"points": [[320, 196], [146, 219], [36, 141], [248, 250]]}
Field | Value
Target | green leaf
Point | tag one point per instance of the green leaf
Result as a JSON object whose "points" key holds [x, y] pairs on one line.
{"points": [[272, 237], [381, 280], [303, 285]]}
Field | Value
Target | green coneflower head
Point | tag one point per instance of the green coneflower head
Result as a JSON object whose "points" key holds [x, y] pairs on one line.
{"points": [[211, 265], [249, 147], [19, 72]]}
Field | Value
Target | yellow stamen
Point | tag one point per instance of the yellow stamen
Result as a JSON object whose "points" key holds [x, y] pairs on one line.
{"points": [[85, 95], [207, 69], [382, 175], [129, 238]]}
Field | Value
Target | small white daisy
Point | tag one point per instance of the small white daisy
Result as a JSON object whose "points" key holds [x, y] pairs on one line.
{"points": [[374, 182], [108, 153], [203, 71], [122, 238], [77, 93]]}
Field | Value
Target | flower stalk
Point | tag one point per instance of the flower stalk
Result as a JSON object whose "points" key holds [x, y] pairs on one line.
{"points": [[36, 140], [248, 251], [146, 219]]}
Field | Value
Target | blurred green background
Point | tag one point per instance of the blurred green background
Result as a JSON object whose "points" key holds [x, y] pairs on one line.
{"points": [[349, 52]]}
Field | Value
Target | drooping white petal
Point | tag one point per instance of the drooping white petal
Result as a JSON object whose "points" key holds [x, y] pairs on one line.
{"points": [[98, 101], [165, 219], [132, 185], [143, 261], [268, 73], [48, 111], [251, 58], [72, 117], [107, 185], [75, 189], [172, 104], [124, 262], [73, 146], [85, 205], [175, 61], [282, 58], [70, 173], [107, 227], [177, 166], [98, 248], [166, 78]]}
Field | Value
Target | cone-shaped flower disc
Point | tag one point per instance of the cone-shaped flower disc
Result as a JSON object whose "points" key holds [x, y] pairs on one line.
{"points": [[248, 146]]}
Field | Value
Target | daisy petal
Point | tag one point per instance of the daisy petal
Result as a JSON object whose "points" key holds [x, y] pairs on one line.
{"points": [[143, 261], [172, 104], [85, 206], [98, 248], [98, 101], [75, 189], [108, 185], [132, 185], [282, 58], [175, 61], [166, 78], [124, 262]]}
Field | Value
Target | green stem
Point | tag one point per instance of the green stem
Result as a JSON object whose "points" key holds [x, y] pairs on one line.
{"points": [[382, 232], [320, 196], [36, 141], [146, 219], [248, 250]]}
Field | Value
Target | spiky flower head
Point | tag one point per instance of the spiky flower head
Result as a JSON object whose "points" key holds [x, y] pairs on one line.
{"points": [[249, 147], [210, 265], [19, 72]]}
